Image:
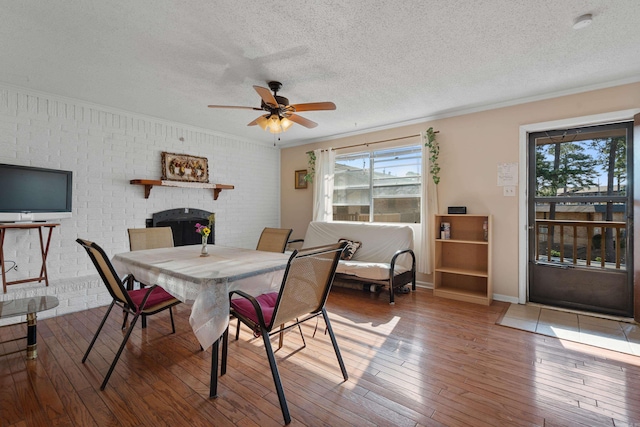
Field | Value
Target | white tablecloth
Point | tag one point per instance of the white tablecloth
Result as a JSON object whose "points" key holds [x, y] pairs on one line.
{"points": [[205, 282]]}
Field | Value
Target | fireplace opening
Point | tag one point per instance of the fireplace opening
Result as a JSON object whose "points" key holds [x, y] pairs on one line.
{"points": [[183, 224]]}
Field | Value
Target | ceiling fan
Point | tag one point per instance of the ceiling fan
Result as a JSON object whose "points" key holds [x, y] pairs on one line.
{"points": [[280, 114]]}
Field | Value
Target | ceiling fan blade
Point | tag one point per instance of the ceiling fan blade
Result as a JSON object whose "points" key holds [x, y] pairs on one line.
{"points": [[255, 122], [301, 121], [234, 106], [314, 106], [266, 96]]}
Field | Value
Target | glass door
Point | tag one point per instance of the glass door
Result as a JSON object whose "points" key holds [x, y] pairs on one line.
{"points": [[580, 214]]}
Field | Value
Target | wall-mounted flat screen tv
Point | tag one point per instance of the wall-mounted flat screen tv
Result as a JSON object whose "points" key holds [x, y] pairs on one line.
{"points": [[34, 194]]}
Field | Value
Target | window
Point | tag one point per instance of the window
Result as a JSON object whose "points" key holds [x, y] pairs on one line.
{"points": [[378, 186]]}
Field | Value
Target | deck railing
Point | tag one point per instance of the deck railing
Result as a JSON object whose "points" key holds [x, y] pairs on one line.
{"points": [[583, 232]]}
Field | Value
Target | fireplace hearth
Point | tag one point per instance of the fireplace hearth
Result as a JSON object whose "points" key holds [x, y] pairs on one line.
{"points": [[183, 224]]}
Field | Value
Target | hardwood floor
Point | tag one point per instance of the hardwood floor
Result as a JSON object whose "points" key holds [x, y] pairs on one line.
{"points": [[424, 362]]}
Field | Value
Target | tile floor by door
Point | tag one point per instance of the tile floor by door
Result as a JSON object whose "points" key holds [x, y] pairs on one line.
{"points": [[607, 333]]}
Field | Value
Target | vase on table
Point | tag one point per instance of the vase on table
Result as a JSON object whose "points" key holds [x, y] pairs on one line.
{"points": [[204, 251]]}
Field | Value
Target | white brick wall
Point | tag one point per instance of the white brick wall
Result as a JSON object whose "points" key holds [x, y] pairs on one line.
{"points": [[106, 148]]}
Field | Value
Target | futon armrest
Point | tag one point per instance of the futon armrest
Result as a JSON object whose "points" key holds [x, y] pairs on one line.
{"points": [[400, 252]]}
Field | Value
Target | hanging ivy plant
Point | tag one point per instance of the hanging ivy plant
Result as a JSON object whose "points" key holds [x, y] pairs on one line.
{"points": [[434, 153], [312, 166]]}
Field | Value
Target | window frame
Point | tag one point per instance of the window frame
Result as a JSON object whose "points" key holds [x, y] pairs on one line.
{"points": [[413, 149]]}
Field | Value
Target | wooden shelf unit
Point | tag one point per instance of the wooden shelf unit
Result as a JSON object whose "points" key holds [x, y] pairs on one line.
{"points": [[463, 262], [149, 183]]}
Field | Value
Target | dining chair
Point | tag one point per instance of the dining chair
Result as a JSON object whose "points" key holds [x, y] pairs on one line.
{"points": [[150, 238], [274, 239], [303, 294], [147, 238], [146, 301]]}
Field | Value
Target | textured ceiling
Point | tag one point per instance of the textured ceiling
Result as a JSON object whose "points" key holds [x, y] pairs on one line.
{"points": [[382, 62]]}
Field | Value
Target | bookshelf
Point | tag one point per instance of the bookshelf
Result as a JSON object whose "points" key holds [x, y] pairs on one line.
{"points": [[463, 261]]}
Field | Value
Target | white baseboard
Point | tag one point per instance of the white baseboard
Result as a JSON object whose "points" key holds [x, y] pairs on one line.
{"points": [[505, 298]]}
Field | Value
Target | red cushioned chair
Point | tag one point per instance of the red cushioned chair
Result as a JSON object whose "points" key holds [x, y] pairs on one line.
{"points": [[272, 240], [139, 302], [305, 287]]}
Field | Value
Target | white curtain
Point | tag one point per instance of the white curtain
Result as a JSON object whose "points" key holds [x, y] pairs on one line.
{"points": [[323, 185], [428, 208]]}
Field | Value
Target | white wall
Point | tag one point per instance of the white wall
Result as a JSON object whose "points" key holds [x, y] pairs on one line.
{"points": [[106, 148]]}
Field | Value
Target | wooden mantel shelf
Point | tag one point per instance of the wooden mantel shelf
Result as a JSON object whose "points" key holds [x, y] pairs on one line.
{"points": [[149, 183]]}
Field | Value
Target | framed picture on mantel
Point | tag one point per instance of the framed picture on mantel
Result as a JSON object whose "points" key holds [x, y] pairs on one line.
{"points": [[182, 167]]}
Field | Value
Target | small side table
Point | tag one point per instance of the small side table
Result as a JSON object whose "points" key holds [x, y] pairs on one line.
{"points": [[28, 306], [44, 250]]}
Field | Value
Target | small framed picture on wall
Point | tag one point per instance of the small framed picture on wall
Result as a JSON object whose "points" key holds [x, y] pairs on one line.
{"points": [[300, 181]]}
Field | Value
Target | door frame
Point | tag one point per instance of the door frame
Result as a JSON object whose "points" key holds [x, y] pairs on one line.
{"points": [[523, 172]]}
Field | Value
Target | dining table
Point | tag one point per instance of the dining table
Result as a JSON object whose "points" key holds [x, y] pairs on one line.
{"points": [[204, 282]]}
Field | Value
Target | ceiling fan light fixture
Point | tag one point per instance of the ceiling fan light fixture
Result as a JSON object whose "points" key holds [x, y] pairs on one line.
{"points": [[262, 122], [274, 124], [285, 124]]}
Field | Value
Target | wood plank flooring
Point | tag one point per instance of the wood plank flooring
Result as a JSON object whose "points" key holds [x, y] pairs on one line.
{"points": [[425, 361]]}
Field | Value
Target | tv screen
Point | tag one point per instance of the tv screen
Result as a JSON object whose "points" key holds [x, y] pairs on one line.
{"points": [[34, 194]]}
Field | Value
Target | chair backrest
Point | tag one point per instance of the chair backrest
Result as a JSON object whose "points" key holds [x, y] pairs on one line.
{"points": [[107, 272], [306, 283], [274, 239], [150, 238]]}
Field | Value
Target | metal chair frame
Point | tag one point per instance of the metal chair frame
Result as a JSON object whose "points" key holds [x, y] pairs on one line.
{"points": [[267, 330], [122, 299]]}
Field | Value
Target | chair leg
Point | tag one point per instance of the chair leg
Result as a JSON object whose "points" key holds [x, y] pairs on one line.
{"points": [[238, 330], [115, 360], [281, 336], [173, 325], [304, 343], [144, 321], [276, 376], [125, 316], [335, 344], [93, 341]]}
